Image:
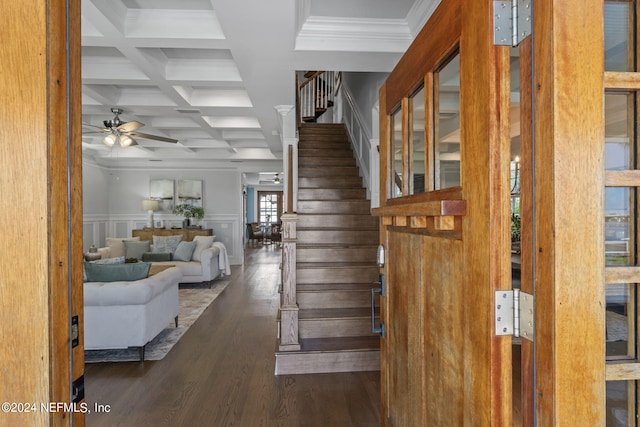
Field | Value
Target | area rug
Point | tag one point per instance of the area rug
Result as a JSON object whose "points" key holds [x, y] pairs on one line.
{"points": [[193, 302]]}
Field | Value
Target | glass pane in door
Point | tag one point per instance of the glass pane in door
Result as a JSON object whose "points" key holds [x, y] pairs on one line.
{"points": [[621, 397], [417, 183], [619, 36], [447, 124], [396, 161]]}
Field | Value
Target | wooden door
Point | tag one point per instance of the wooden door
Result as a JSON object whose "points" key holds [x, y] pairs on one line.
{"points": [[446, 225], [41, 214]]}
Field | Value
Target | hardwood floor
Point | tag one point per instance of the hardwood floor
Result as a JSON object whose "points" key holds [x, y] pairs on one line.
{"points": [[221, 372]]}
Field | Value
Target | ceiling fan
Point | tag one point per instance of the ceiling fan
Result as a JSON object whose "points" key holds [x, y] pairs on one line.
{"points": [[122, 132]]}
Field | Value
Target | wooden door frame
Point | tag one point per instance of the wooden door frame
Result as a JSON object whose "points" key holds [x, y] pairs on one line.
{"points": [[41, 180], [568, 239]]}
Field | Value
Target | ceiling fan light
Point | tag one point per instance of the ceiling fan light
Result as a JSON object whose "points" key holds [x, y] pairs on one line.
{"points": [[125, 141], [109, 140]]}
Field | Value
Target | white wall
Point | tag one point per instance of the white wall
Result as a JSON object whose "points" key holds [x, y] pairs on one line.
{"points": [[365, 89], [112, 198]]}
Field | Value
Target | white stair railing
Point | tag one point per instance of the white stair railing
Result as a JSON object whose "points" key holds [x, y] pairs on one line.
{"points": [[317, 94]]}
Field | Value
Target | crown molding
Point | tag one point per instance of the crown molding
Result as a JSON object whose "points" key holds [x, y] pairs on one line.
{"points": [[419, 14], [319, 33]]}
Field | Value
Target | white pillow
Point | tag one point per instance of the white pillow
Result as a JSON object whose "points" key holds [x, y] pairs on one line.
{"points": [[117, 245], [202, 243]]}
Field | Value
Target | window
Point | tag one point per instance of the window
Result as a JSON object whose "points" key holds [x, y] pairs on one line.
{"points": [[269, 207]]}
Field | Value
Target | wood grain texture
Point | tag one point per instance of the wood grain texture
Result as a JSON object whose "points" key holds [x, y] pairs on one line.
{"points": [[40, 82], [624, 178], [525, 412], [221, 372], [569, 268], [466, 361], [621, 80], [485, 153], [424, 54]]}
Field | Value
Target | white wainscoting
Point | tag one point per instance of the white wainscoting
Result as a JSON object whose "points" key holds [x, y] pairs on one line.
{"points": [[227, 228]]}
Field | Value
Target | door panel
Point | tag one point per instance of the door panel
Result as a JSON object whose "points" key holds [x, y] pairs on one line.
{"points": [[458, 236], [404, 332]]}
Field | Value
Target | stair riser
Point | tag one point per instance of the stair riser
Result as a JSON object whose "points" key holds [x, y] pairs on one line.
{"points": [[332, 194], [334, 299], [322, 129], [328, 171], [330, 182], [323, 144], [326, 162], [365, 221], [337, 237], [293, 363], [354, 254], [334, 206], [324, 154], [324, 328], [337, 275]]}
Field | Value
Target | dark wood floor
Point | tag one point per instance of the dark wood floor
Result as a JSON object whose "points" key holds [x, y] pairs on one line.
{"points": [[221, 371]]}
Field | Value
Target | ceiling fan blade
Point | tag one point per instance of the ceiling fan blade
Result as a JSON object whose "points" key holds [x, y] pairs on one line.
{"points": [[156, 137], [129, 126], [102, 128]]}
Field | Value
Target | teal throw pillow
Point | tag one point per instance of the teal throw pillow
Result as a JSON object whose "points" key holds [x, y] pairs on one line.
{"points": [[136, 249], [166, 243], [156, 256], [116, 272], [184, 251]]}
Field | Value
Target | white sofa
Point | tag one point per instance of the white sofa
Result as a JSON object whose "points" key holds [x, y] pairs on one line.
{"points": [[213, 262], [130, 314]]}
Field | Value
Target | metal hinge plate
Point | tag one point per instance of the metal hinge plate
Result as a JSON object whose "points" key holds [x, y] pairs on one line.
{"points": [[508, 31], [515, 312]]}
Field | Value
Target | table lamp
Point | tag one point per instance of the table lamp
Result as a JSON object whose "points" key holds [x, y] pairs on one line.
{"points": [[150, 206]]}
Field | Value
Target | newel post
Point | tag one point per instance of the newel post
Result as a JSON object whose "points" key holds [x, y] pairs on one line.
{"points": [[289, 306]]}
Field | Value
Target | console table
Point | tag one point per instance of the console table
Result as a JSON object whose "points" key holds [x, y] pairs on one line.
{"points": [[187, 233]]}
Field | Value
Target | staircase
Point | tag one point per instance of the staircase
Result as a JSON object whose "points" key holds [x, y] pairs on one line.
{"points": [[336, 247]]}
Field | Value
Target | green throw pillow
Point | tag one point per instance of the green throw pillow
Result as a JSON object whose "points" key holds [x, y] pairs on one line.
{"points": [[156, 256], [184, 251], [116, 272], [136, 249]]}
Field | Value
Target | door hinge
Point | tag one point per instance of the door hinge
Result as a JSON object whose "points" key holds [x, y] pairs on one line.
{"points": [[515, 311], [511, 21]]}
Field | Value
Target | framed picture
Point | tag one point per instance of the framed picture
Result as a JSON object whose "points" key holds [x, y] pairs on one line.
{"points": [[158, 224], [190, 192], [162, 191]]}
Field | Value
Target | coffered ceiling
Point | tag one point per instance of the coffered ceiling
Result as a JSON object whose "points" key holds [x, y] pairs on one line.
{"points": [[210, 73]]}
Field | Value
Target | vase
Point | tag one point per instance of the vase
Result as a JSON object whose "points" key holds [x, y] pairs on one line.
{"points": [[186, 222]]}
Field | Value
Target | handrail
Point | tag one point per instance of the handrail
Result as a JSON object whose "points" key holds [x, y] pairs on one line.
{"points": [[289, 208], [365, 154], [316, 94]]}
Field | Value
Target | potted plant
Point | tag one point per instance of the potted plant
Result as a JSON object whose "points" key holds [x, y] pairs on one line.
{"points": [[188, 212]]}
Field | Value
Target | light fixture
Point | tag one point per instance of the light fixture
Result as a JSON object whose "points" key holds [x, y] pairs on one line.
{"points": [[110, 140], [276, 180], [123, 140], [126, 141], [150, 206]]}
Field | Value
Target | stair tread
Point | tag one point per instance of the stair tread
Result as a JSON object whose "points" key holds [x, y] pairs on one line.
{"points": [[334, 264], [340, 344], [315, 287], [336, 245], [334, 313]]}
